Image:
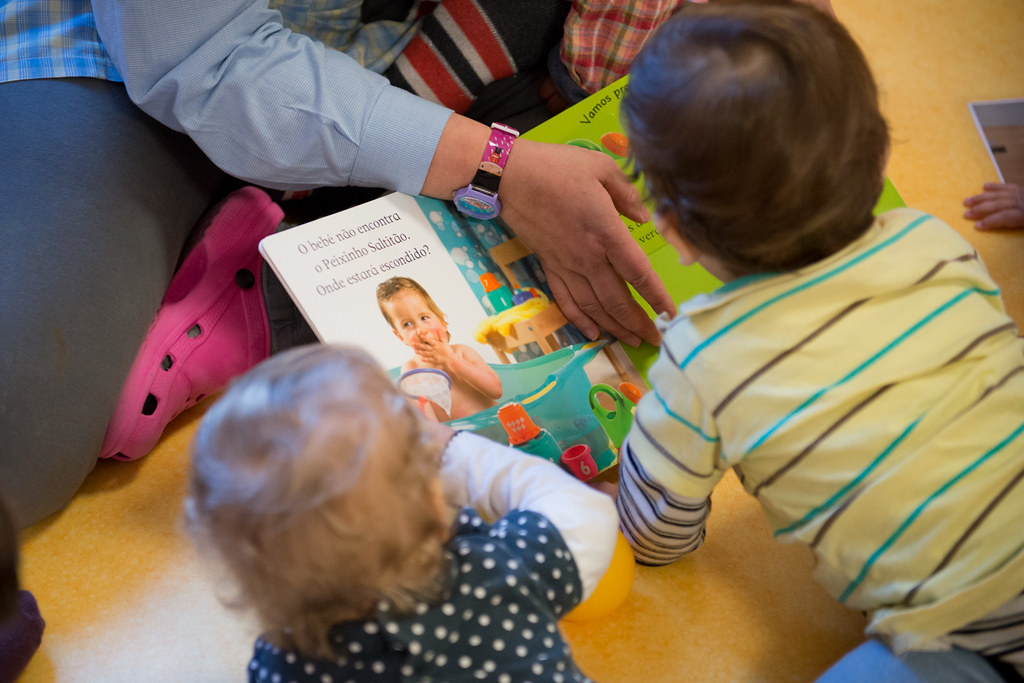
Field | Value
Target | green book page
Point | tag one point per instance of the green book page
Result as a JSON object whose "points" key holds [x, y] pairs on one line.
{"points": [[890, 198], [594, 124]]}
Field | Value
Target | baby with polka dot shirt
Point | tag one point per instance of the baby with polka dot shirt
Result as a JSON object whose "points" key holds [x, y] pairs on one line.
{"points": [[329, 500]]}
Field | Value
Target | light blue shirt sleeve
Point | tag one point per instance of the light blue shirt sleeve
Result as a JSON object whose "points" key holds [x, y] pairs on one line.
{"points": [[268, 105]]}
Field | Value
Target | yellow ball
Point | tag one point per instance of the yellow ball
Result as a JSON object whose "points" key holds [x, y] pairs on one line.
{"points": [[613, 587]]}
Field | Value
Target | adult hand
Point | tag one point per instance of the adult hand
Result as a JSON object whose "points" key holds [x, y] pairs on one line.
{"points": [[1001, 205], [564, 202]]}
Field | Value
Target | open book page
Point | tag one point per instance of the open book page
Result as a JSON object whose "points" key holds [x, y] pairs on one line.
{"points": [[459, 313]]}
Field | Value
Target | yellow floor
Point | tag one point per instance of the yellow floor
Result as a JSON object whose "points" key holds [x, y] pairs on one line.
{"points": [[125, 598]]}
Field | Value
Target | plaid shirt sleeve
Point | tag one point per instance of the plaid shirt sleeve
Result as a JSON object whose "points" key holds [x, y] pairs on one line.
{"points": [[51, 39], [603, 36], [339, 25]]}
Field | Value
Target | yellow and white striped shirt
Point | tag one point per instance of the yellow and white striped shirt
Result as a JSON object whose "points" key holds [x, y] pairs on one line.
{"points": [[873, 403]]}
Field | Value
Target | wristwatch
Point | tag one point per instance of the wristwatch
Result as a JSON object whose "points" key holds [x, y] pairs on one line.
{"points": [[479, 199]]}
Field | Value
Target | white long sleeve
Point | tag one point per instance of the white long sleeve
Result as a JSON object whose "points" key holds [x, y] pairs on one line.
{"points": [[496, 479]]}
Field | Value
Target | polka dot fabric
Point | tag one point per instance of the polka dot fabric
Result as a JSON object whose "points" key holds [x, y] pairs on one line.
{"points": [[509, 584]]}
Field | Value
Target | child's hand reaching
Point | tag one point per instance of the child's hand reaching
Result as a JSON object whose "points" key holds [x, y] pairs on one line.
{"points": [[1001, 205]]}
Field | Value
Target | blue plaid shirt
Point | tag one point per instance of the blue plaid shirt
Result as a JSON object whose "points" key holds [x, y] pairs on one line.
{"points": [[245, 82], [58, 38], [338, 24], [51, 39]]}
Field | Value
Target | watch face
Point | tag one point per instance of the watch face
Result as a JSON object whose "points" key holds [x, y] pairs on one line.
{"points": [[476, 207], [474, 204]]}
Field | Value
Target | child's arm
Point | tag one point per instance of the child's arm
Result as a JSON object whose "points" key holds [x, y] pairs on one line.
{"points": [[496, 479], [471, 367], [668, 466], [660, 525]]}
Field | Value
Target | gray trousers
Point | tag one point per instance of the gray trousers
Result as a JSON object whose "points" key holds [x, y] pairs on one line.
{"points": [[98, 200]]}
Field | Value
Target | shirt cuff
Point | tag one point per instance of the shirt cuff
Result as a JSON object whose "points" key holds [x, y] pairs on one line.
{"points": [[394, 153]]}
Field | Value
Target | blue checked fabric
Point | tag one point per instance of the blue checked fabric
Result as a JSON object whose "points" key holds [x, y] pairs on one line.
{"points": [[58, 38], [51, 39]]}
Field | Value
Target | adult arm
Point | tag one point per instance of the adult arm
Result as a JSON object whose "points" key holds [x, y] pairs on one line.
{"points": [[265, 104], [281, 110], [496, 479]]}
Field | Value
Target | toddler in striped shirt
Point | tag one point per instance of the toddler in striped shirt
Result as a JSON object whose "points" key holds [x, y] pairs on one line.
{"points": [[858, 372]]}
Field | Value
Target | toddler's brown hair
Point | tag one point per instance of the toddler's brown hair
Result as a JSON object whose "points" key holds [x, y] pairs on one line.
{"points": [[757, 126]]}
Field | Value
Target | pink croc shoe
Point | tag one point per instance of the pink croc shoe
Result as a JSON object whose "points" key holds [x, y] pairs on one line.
{"points": [[211, 326]]}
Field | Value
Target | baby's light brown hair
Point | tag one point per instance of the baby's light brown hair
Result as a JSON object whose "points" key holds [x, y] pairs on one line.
{"points": [[757, 126], [313, 482], [387, 289]]}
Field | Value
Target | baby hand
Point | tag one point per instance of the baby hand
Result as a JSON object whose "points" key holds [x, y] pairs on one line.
{"points": [[1001, 205], [433, 351]]}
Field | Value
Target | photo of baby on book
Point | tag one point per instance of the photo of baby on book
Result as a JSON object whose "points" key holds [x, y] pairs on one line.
{"points": [[465, 383]]}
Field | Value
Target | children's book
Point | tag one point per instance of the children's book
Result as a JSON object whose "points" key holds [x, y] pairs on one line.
{"points": [[460, 313]]}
